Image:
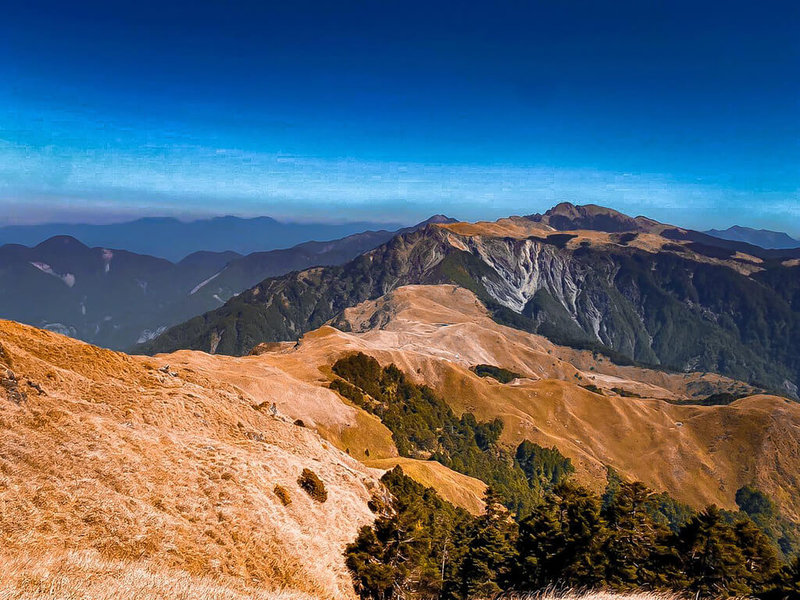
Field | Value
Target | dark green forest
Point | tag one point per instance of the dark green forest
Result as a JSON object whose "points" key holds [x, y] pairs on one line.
{"points": [[540, 529], [424, 547]]}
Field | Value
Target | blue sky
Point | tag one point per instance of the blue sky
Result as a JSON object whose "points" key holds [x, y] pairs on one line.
{"points": [[688, 112]]}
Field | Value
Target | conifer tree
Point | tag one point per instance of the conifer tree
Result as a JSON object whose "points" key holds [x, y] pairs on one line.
{"points": [[789, 580], [760, 556], [409, 552], [489, 564], [713, 560], [561, 541], [639, 550]]}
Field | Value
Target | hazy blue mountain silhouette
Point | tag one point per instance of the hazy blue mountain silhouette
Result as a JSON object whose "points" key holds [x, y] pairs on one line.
{"points": [[174, 239], [758, 237], [115, 298]]}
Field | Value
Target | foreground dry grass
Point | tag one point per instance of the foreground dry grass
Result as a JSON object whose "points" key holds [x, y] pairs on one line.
{"points": [[86, 576], [170, 468], [599, 596]]}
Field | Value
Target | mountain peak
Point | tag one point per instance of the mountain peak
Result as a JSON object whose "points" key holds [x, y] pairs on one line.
{"points": [[439, 218], [566, 216], [61, 242]]}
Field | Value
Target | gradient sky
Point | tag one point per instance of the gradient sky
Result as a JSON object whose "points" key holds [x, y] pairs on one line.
{"points": [[688, 112]]}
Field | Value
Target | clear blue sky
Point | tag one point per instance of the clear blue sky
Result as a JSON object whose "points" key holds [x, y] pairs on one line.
{"points": [[688, 112]]}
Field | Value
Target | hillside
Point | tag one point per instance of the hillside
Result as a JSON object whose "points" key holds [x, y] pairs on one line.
{"points": [[159, 471], [107, 456], [245, 272], [115, 298], [655, 294], [107, 296], [642, 419]]}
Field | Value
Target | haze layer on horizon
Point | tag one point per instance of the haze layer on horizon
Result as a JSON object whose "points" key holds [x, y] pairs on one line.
{"points": [[393, 111]]}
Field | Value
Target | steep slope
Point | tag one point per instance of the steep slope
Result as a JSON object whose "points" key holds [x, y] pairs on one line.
{"points": [[657, 295], [649, 425], [163, 470]]}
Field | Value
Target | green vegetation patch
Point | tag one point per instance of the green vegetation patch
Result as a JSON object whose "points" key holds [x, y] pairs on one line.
{"points": [[499, 373], [424, 426]]}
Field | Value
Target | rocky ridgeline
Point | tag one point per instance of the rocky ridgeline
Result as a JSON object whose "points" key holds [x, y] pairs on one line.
{"points": [[672, 306]]}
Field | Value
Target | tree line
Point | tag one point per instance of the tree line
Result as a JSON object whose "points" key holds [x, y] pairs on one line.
{"points": [[422, 547], [539, 528]]}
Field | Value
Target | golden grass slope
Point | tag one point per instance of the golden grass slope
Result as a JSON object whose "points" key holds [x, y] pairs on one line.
{"points": [[124, 469], [171, 468], [73, 575], [459, 489], [700, 454]]}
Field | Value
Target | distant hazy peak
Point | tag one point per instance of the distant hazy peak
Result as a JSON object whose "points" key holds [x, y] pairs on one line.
{"points": [[61, 241], [567, 217], [174, 239], [437, 219], [764, 238]]}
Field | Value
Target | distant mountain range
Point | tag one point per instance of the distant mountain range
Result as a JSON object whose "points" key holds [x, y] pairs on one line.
{"points": [[173, 239], [116, 298], [758, 237], [586, 276]]}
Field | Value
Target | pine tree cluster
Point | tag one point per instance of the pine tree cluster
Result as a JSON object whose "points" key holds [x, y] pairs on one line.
{"points": [[425, 548]]}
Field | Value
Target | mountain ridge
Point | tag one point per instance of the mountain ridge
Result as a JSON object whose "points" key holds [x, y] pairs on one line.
{"points": [[116, 298], [656, 297], [758, 237], [173, 239]]}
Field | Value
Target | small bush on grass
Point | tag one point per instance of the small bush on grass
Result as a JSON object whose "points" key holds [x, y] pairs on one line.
{"points": [[283, 495], [313, 485]]}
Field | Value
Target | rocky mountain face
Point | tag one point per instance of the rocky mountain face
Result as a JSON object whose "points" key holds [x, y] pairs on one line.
{"points": [[655, 295]]}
